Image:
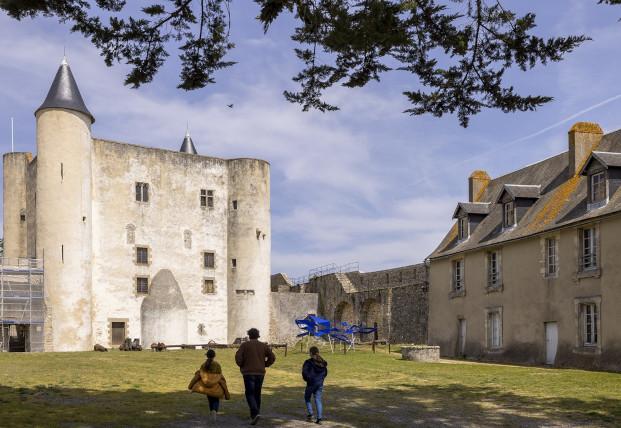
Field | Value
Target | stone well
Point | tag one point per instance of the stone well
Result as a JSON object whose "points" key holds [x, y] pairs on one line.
{"points": [[423, 353]]}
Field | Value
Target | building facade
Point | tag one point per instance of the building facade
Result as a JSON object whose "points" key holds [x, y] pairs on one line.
{"points": [[137, 241], [530, 271]]}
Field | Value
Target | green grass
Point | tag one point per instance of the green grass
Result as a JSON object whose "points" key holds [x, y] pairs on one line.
{"points": [[363, 389]]}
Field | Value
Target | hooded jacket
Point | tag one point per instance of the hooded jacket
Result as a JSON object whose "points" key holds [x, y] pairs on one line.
{"points": [[315, 370]]}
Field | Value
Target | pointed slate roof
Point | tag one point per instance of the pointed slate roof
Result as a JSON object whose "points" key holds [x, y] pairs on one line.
{"points": [[188, 145], [64, 93], [528, 191]]}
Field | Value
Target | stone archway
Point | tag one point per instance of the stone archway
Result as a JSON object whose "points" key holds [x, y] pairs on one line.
{"points": [[344, 312]]}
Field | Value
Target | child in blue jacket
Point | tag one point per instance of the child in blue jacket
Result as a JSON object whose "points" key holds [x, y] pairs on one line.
{"points": [[314, 372]]}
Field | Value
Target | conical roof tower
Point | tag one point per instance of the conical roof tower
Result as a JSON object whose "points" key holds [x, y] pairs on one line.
{"points": [[64, 93], [187, 146]]}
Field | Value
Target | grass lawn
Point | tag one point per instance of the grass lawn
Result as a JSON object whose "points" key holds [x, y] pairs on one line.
{"points": [[146, 389]]}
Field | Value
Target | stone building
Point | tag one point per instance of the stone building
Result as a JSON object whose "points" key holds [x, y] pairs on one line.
{"points": [[393, 300], [530, 270], [136, 241]]}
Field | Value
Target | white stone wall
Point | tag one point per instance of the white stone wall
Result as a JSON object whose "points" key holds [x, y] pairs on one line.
{"points": [[175, 180]]}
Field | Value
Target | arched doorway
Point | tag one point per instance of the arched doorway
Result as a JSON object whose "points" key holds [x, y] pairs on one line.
{"points": [[344, 312], [371, 315]]}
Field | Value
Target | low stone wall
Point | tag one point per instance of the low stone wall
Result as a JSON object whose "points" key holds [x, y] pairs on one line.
{"points": [[421, 353]]}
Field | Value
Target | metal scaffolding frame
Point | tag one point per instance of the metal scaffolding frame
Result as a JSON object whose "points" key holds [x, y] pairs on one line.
{"points": [[22, 306]]}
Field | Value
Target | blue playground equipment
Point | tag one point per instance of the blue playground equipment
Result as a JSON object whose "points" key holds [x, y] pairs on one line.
{"points": [[316, 327]]}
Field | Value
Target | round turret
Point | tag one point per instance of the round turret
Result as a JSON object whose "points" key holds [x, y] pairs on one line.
{"points": [[249, 247], [63, 213]]}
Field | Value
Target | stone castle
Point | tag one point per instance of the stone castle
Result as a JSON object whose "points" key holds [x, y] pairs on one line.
{"points": [[136, 241]]}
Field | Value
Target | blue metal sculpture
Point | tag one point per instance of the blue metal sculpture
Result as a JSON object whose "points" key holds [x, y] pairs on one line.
{"points": [[314, 326]]}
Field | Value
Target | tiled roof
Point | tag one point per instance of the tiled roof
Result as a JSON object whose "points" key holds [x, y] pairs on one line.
{"points": [[472, 208], [562, 202]]}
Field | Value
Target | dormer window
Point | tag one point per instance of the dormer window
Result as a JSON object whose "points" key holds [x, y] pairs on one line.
{"points": [[598, 192], [508, 214], [462, 228]]}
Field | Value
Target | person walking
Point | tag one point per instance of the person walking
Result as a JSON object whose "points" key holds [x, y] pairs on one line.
{"points": [[253, 357], [209, 380], [314, 371]]}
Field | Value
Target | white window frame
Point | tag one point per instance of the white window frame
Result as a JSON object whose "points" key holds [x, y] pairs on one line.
{"points": [[589, 248], [493, 328], [494, 269], [463, 228], [589, 328], [598, 189], [457, 275], [508, 215], [551, 257]]}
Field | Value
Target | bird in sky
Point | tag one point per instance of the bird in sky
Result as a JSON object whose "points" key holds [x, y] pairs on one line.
{"points": [[229, 105]]}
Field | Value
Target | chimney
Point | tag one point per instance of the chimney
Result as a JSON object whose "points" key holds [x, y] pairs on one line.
{"points": [[584, 137], [477, 183]]}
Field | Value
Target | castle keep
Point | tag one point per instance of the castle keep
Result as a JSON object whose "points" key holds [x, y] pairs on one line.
{"points": [[134, 241]]}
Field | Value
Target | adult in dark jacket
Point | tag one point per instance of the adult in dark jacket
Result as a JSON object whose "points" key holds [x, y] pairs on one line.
{"points": [[314, 371], [253, 357]]}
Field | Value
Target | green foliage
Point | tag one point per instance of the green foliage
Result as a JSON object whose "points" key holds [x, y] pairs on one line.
{"points": [[459, 51]]}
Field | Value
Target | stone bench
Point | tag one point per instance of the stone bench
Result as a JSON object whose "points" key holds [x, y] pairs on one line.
{"points": [[423, 353]]}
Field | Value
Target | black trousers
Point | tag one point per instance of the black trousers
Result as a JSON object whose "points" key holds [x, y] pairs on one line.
{"points": [[253, 385]]}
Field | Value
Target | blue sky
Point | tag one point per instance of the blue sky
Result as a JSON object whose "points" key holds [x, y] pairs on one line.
{"points": [[367, 183]]}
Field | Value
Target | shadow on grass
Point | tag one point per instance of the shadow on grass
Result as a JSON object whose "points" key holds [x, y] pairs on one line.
{"points": [[400, 405]]}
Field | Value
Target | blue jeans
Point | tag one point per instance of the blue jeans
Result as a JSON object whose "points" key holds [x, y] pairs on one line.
{"points": [[214, 403], [316, 391], [253, 384]]}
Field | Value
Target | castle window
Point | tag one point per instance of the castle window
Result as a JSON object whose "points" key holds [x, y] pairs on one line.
{"points": [[142, 285], [494, 328], [508, 215], [551, 257], [203, 197], [209, 260], [493, 270], [209, 286], [233, 263], [458, 275], [245, 292], [131, 233], [22, 216], [598, 187], [142, 255], [210, 198], [588, 315], [234, 205], [187, 239], [588, 248], [462, 228], [142, 192]]}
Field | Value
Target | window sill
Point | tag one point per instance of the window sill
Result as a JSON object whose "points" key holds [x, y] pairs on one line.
{"points": [[597, 205], [551, 276], [457, 293], [588, 350], [494, 288], [591, 273], [494, 350]]}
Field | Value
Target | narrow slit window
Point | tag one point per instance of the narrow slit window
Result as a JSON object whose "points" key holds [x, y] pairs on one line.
{"points": [[62, 172], [62, 253], [210, 198], [234, 205], [233, 263]]}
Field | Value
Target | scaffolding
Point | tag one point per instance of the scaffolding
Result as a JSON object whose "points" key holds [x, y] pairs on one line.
{"points": [[22, 308]]}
